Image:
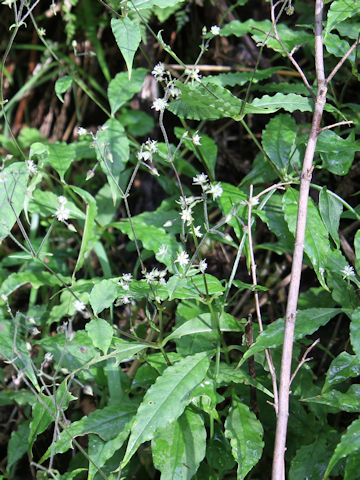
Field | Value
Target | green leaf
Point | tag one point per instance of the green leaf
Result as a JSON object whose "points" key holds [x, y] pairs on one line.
{"points": [[278, 140], [289, 102], [61, 85], [102, 295], [307, 322], [12, 195], [352, 468], [343, 367], [106, 422], [166, 399], [349, 444], [125, 350], [339, 11], [128, 36], [330, 211], [336, 152], [355, 331], [357, 250], [35, 277], [60, 157], [18, 444], [342, 401], [178, 448], [101, 333], [190, 287], [245, 433], [145, 4], [121, 88], [91, 212], [317, 245], [204, 323], [112, 151]]}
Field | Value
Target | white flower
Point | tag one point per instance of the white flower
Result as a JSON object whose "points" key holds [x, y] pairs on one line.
{"points": [[202, 266], [42, 32], [2, 177], [82, 131], [197, 232], [151, 145], [347, 272], [196, 138], [215, 30], [62, 213], [159, 104], [150, 276], [8, 3], [79, 306], [4, 297], [193, 74], [162, 250], [168, 223], [186, 215], [200, 179], [125, 300], [127, 277], [31, 167], [62, 200], [182, 259], [48, 357], [159, 71], [215, 190], [174, 91]]}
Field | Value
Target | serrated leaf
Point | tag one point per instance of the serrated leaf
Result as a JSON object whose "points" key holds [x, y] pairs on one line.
{"points": [[278, 139], [307, 322], [245, 433], [289, 102], [339, 11], [101, 333], [204, 323], [178, 448], [166, 399], [121, 89], [349, 444], [343, 401], [343, 367], [61, 85], [330, 211], [103, 295], [355, 331], [317, 245], [12, 195], [128, 36]]}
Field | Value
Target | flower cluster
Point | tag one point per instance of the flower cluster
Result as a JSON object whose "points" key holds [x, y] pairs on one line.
{"points": [[155, 276], [193, 74], [145, 155], [62, 213], [125, 281], [30, 165], [214, 189]]}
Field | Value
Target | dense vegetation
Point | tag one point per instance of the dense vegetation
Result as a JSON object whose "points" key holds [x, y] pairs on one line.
{"points": [[163, 306]]}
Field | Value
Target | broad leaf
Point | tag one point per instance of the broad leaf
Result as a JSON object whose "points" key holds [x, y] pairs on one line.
{"points": [[103, 295], [18, 444], [166, 399], [349, 444], [121, 89], [307, 322], [330, 211], [60, 157], [342, 401], [336, 152], [125, 350], [339, 11], [289, 102], [343, 367], [128, 36], [61, 85], [278, 139], [13, 181], [245, 433], [101, 333], [178, 448]]}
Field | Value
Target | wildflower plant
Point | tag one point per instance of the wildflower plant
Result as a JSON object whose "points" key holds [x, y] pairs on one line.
{"points": [[172, 318]]}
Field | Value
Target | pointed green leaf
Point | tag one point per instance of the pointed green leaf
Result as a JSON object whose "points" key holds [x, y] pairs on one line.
{"points": [[317, 245], [60, 157], [278, 139], [125, 350], [166, 399], [178, 448], [307, 322], [289, 102], [343, 401], [61, 85], [343, 367], [13, 181], [339, 11], [330, 211], [336, 152], [349, 444], [127, 35], [121, 89], [245, 433], [103, 295], [101, 333]]}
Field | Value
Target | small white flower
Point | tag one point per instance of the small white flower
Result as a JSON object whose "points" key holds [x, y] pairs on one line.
{"points": [[150, 276], [48, 357], [168, 223], [4, 298], [215, 30], [162, 250], [347, 272], [215, 190], [31, 167], [159, 104], [124, 300], [127, 277], [182, 259], [186, 215], [62, 214], [2, 177], [42, 32], [79, 306], [82, 131], [202, 266], [159, 71], [197, 231], [151, 145], [196, 138], [62, 200], [200, 179], [8, 3], [174, 91], [193, 74]]}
